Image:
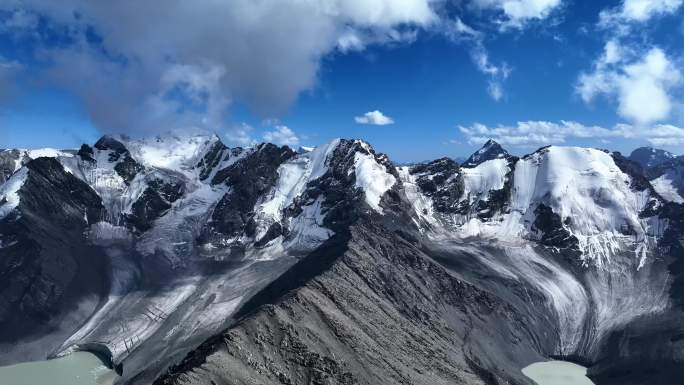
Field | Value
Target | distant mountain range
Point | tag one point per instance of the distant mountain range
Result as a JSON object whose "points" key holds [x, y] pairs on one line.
{"points": [[183, 261], [649, 157]]}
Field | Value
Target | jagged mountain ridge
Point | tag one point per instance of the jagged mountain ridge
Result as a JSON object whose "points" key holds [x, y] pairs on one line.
{"points": [[235, 220], [489, 151], [649, 157]]}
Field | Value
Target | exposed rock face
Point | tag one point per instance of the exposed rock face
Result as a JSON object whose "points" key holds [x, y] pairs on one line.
{"points": [[217, 152], [9, 159], [45, 265], [490, 150], [668, 179], [553, 233], [649, 157], [126, 167], [249, 178], [377, 310], [441, 181], [154, 202]]}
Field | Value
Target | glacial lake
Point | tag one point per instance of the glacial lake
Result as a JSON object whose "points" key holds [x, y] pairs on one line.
{"points": [[78, 368], [557, 373]]}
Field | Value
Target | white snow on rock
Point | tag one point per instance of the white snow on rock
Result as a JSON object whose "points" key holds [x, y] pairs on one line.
{"points": [[372, 178], [306, 230], [106, 234], [664, 185], [174, 152], [585, 187], [47, 153], [9, 192], [485, 177], [182, 224], [293, 176], [422, 204]]}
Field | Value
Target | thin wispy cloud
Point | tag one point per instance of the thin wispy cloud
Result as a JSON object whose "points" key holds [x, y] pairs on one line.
{"points": [[540, 133], [457, 30]]}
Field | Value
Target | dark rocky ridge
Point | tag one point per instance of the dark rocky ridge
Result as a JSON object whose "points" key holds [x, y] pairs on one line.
{"points": [[8, 159], [213, 157], [441, 181], [154, 202], [249, 178], [47, 268], [377, 294]]}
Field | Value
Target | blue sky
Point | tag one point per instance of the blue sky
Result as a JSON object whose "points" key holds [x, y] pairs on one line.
{"points": [[437, 77]]}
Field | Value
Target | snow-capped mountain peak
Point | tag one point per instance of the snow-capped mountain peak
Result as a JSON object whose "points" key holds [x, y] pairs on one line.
{"points": [[490, 150], [574, 198], [649, 157]]}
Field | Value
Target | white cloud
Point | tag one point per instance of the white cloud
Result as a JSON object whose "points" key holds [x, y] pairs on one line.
{"points": [[541, 133], [240, 135], [495, 90], [282, 136], [642, 85], [643, 80], [637, 11], [264, 53], [457, 30], [376, 118], [519, 12]]}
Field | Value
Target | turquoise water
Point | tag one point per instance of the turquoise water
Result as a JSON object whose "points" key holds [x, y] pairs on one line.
{"points": [[557, 373], [78, 368]]}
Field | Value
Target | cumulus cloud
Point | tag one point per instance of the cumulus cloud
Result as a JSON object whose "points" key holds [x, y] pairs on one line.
{"points": [[541, 133], [642, 79], [376, 118], [282, 136], [240, 135], [134, 67], [517, 13], [642, 84]]}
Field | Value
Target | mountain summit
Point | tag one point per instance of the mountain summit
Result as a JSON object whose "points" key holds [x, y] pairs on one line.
{"points": [[490, 150], [649, 157]]}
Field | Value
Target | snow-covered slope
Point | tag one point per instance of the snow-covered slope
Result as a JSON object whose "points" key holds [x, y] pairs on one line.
{"points": [[590, 194], [668, 179], [9, 192], [597, 208], [174, 205]]}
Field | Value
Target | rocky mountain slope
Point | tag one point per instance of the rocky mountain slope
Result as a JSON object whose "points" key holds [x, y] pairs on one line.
{"points": [[649, 157], [668, 179], [183, 261]]}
